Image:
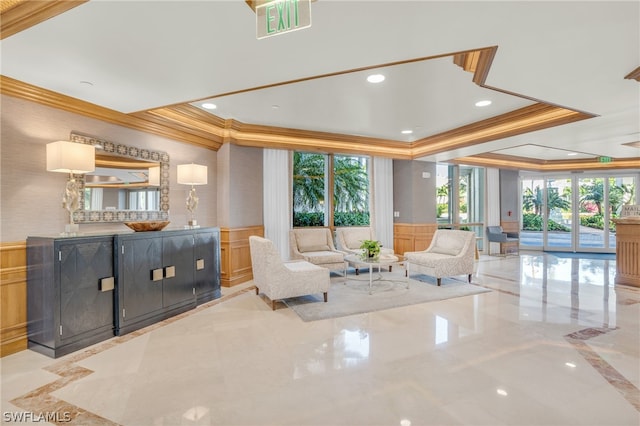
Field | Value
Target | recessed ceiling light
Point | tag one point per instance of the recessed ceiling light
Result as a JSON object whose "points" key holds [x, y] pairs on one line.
{"points": [[572, 153], [483, 103], [407, 132], [275, 106], [502, 392], [570, 364], [209, 105], [375, 78], [86, 83]]}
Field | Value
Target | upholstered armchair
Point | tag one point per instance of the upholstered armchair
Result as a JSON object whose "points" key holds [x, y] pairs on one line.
{"points": [[315, 245], [450, 253], [349, 240], [278, 280], [495, 234]]}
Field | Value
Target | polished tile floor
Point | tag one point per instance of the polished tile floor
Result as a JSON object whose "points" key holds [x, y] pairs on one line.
{"points": [[554, 343]]}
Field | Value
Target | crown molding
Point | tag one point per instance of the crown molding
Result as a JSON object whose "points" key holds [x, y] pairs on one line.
{"points": [[500, 161], [20, 15], [634, 75]]}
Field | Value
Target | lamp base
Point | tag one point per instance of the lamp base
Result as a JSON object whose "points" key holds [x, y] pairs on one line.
{"points": [[71, 230]]}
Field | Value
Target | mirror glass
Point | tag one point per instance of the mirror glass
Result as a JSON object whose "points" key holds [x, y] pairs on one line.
{"points": [[128, 184]]}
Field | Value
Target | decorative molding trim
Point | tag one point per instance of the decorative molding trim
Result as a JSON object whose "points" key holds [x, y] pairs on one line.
{"points": [[519, 163], [13, 297], [21, 90], [634, 75], [235, 256], [534, 117], [22, 14]]}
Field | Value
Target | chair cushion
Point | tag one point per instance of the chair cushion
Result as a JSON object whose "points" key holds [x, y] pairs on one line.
{"points": [[354, 237], [307, 239], [444, 250], [322, 257], [320, 247]]}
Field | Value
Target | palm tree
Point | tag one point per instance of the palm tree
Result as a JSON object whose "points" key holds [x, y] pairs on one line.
{"points": [[308, 182], [351, 183], [532, 200], [592, 193]]}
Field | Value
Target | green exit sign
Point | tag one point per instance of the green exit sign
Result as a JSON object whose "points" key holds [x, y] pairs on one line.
{"points": [[282, 16], [605, 159]]}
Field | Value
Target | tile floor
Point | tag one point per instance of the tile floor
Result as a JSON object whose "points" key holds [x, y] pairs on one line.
{"points": [[554, 343]]}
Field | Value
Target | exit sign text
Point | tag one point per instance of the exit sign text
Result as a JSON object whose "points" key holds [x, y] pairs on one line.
{"points": [[282, 16]]}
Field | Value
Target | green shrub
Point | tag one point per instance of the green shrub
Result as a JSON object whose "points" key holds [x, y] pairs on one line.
{"points": [[533, 222], [308, 219], [351, 218]]}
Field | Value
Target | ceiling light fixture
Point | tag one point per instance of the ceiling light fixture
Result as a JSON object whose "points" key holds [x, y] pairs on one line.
{"points": [[407, 132], [483, 103], [375, 78], [572, 153], [209, 105]]}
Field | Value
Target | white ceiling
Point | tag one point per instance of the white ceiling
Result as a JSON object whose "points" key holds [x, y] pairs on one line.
{"points": [[141, 55]]}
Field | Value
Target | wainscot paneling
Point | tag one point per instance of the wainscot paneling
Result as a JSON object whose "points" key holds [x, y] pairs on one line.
{"points": [[235, 257], [412, 236], [13, 297]]}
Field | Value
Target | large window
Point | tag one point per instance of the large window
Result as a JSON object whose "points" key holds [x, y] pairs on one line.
{"points": [[314, 174], [460, 197]]}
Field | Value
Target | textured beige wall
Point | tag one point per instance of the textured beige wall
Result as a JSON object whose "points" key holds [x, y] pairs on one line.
{"points": [[239, 186], [30, 197]]}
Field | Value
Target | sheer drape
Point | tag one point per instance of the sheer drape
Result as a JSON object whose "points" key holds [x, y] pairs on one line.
{"points": [[276, 190], [96, 198], [382, 200], [493, 205]]}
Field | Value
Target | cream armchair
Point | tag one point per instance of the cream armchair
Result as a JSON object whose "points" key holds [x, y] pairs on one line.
{"points": [[279, 280], [450, 253], [349, 240], [315, 245]]}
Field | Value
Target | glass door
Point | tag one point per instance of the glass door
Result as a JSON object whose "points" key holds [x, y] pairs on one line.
{"points": [[593, 197], [559, 214]]}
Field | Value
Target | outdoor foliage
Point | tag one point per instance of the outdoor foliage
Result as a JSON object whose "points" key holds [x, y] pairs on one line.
{"points": [[533, 222], [350, 194]]}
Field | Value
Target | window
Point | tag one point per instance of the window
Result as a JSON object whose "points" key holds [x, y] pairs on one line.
{"points": [[314, 174]]}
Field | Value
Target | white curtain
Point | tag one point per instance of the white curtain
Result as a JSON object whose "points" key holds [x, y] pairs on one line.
{"points": [[493, 205], [277, 207], [96, 198], [382, 200]]}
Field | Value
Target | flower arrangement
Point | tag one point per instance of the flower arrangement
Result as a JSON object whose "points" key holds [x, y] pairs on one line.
{"points": [[371, 248]]}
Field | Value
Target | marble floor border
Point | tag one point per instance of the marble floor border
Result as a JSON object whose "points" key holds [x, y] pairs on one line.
{"points": [[40, 401], [45, 406]]}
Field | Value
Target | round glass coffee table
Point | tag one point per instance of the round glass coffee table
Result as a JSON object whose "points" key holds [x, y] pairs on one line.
{"points": [[372, 262]]}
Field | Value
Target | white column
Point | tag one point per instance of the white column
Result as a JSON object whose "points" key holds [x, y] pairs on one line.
{"points": [[493, 206], [382, 196]]}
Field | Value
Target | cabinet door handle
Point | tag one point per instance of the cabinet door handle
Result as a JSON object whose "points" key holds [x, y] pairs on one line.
{"points": [[157, 274], [199, 264], [169, 271], [107, 284]]}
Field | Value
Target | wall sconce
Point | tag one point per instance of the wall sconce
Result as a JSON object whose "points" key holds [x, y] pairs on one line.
{"points": [[192, 174], [72, 158]]}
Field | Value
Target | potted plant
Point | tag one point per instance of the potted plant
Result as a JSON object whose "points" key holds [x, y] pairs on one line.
{"points": [[370, 248]]}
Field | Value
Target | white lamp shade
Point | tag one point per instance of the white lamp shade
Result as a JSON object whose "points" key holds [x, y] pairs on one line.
{"points": [[192, 174], [154, 176], [70, 157]]}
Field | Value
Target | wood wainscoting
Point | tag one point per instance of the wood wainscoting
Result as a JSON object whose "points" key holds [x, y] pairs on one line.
{"points": [[235, 256], [13, 297], [412, 236]]}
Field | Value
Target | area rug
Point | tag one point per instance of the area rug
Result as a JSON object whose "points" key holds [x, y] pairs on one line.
{"points": [[353, 297]]}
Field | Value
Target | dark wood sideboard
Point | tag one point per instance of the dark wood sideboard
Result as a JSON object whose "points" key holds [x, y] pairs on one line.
{"points": [[86, 289]]}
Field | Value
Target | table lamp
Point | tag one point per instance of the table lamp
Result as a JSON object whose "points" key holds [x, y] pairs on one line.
{"points": [[192, 174], [73, 158]]}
